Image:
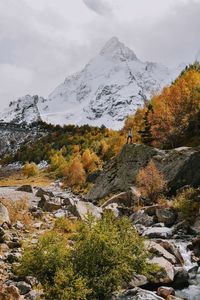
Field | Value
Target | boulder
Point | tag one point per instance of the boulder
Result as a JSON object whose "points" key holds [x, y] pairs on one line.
{"points": [[10, 292], [158, 250], [49, 204], [4, 215], [126, 199], [25, 188], [165, 291], [136, 294], [137, 281], [181, 278], [195, 228], [158, 232], [180, 167], [80, 210], [23, 287], [171, 248], [167, 216], [140, 217], [166, 274], [40, 192]]}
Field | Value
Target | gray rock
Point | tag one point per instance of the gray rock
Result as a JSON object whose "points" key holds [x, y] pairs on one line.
{"points": [[181, 278], [165, 291], [23, 287], [180, 167], [4, 215], [33, 295], [140, 217], [166, 274], [49, 204], [167, 216], [158, 250], [81, 209], [25, 188], [158, 232], [136, 294], [114, 208], [40, 192], [137, 281]]}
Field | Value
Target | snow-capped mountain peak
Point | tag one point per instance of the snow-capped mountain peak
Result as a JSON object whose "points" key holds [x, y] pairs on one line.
{"points": [[116, 50], [110, 87]]}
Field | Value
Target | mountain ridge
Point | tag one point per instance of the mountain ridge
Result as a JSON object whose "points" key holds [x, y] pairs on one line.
{"points": [[111, 86]]}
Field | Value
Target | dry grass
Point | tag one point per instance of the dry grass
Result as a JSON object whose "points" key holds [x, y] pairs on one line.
{"points": [[19, 211], [17, 178]]}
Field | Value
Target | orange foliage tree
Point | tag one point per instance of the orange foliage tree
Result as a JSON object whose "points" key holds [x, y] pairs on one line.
{"points": [[90, 160], [151, 182], [173, 110], [74, 173]]}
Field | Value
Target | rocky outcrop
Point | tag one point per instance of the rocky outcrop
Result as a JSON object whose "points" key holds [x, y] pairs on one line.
{"points": [[4, 215], [180, 167], [136, 294]]}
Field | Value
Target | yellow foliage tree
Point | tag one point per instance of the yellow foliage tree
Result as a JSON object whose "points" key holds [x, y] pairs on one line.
{"points": [[30, 169], [91, 161], [74, 173]]}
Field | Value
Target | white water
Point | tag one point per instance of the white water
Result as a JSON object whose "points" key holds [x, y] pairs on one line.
{"points": [[193, 291]]}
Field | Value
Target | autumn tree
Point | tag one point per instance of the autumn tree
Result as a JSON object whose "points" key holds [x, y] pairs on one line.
{"points": [[151, 182], [74, 173], [90, 160]]}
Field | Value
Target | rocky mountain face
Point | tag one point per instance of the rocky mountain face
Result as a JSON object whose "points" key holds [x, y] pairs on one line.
{"points": [[24, 110], [110, 87], [179, 167]]}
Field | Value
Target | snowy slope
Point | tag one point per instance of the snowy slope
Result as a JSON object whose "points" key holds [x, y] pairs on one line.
{"points": [[111, 86], [24, 110]]}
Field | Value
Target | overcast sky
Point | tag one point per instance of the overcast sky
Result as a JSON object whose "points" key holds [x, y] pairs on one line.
{"points": [[43, 41]]}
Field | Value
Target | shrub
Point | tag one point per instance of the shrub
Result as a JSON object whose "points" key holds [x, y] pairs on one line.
{"points": [[74, 173], [50, 262], [187, 203], [104, 257], [151, 182], [107, 252], [30, 169], [57, 162]]}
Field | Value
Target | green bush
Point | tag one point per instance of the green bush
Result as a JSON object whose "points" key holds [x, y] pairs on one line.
{"points": [[107, 253], [51, 263], [104, 257], [187, 203]]}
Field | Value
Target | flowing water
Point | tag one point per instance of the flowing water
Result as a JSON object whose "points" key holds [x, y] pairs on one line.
{"points": [[192, 292]]}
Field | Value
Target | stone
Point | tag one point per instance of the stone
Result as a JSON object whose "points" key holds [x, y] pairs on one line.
{"points": [[136, 294], [165, 291], [33, 295], [171, 248], [158, 232], [180, 167], [23, 287], [25, 188], [137, 281], [140, 217], [166, 274], [81, 209], [195, 228], [181, 278], [158, 250], [19, 225], [167, 216], [49, 204], [40, 192], [4, 215]]}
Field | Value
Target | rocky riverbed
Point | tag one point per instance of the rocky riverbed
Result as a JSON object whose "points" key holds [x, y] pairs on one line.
{"points": [[173, 244]]}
